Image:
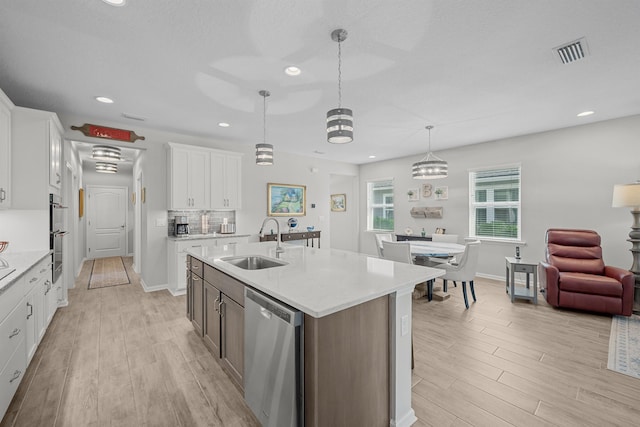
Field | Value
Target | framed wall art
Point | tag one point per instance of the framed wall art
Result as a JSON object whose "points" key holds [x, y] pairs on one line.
{"points": [[442, 193], [338, 202], [286, 200], [413, 194]]}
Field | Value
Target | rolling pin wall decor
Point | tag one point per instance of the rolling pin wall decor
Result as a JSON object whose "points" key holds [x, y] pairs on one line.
{"points": [[108, 133]]}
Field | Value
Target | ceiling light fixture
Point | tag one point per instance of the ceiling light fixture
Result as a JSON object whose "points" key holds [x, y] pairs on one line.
{"points": [[431, 166], [372, 157], [224, 125], [585, 113], [106, 167], [106, 153], [264, 151], [292, 71], [339, 120], [104, 99], [115, 2]]}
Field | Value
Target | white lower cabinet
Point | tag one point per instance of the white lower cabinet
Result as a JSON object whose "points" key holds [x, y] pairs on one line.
{"points": [[177, 258]]}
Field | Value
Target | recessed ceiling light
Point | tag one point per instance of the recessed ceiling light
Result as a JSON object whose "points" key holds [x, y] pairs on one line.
{"points": [[115, 2], [224, 125], [372, 157], [292, 70], [104, 99], [585, 113]]}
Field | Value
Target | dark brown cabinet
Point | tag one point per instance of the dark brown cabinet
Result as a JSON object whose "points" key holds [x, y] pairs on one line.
{"points": [[196, 285], [224, 321]]}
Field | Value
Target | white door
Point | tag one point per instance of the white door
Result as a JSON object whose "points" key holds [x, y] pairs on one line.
{"points": [[106, 221]]}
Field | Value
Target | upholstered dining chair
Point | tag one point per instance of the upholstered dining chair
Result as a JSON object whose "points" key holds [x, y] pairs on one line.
{"points": [[449, 238], [464, 271], [380, 237], [397, 251]]}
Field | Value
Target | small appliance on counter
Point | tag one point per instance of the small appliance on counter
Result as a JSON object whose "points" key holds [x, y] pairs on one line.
{"points": [[5, 268], [182, 226], [227, 227]]}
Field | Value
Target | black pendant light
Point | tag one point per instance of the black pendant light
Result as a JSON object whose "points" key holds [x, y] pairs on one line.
{"points": [[264, 151], [431, 166], [339, 120]]}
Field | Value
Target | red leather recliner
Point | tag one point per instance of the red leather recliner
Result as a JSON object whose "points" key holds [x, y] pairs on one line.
{"points": [[574, 274]]}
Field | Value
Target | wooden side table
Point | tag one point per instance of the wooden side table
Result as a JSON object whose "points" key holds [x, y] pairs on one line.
{"points": [[309, 236], [521, 266]]}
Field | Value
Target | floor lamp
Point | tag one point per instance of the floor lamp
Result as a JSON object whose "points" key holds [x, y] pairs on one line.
{"points": [[628, 195]]}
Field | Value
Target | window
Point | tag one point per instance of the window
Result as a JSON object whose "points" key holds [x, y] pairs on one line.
{"points": [[380, 205], [494, 203]]}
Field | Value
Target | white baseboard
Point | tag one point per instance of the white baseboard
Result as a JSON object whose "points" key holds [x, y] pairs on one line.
{"points": [[63, 303], [152, 288], [178, 292], [80, 267]]}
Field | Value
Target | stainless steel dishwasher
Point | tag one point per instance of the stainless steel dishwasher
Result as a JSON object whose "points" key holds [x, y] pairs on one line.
{"points": [[273, 361]]}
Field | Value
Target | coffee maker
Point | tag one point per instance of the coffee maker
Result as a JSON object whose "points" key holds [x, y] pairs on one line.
{"points": [[182, 226]]}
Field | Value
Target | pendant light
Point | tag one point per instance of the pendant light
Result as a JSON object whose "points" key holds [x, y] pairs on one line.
{"points": [[264, 151], [339, 120], [431, 166], [106, 153], [106, 167]]}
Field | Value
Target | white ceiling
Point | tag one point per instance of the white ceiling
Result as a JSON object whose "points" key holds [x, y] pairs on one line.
{"points": [[477, 70]]}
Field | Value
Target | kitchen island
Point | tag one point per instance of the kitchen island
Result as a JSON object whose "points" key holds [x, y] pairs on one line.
{"points": [[357, 325]]}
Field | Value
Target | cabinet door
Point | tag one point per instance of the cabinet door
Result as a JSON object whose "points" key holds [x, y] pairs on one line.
{"points": [[197, 309], [31, 333], [212, 318], [232, 315], [179, 179], [5, 154], [199, 178], [41, 307], [218, 192], [232, 181], [55, 153]]}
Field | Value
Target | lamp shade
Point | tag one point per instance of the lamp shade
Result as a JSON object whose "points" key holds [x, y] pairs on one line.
{"points": [[626, 195], [264, 154], [106, 153], [106, 167]]}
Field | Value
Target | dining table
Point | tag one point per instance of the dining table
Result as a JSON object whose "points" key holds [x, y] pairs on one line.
{"points": [[424, 253]]}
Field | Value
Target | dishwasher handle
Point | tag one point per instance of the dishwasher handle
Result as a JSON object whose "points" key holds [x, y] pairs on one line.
{"points": [[270, 307]]}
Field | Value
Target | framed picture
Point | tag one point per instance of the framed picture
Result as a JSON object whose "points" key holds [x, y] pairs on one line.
{"points": [[413, 194], [440, 230], [286, 200], [442, 193], [338, 202]]}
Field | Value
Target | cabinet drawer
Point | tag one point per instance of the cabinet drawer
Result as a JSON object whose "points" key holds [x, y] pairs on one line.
{"points": [[11, 297], [196, 267], [226, 284], [520, 268], [12, 331], [11, 376]]}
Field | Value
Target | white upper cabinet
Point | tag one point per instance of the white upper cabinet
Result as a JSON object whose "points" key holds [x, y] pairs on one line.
{"points": [[189, 177], [5, 151], [36, 155], [226, 171]]}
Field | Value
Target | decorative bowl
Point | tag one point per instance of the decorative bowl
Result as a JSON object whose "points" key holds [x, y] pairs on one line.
{"points": [[310, 228], [3, 246]]}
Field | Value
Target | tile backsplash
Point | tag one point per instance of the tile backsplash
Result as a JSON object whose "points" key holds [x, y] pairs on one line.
{"points": [[200, 222]]}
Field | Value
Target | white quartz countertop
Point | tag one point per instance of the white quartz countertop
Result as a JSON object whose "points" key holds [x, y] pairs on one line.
{"points": [[22, 262], [316, 281], [206, 236]]}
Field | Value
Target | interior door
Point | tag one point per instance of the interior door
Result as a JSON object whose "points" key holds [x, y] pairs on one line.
{"points": [[106, 222]]}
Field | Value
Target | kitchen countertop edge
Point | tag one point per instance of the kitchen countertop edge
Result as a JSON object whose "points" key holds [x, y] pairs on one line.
{"points": [[22, 262]]}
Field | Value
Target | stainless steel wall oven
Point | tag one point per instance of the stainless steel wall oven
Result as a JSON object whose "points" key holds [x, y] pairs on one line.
{"points": [[56, 233]]}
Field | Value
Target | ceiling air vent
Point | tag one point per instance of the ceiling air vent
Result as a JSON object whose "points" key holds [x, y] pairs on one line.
{"points": [[572, 52]]}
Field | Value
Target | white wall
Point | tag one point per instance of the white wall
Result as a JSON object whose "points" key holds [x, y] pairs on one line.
{"points": [[567, 182], [344, 225], [288, 168]]}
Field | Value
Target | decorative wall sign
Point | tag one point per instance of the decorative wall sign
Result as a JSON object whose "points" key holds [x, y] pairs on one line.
{"points": [[338, 202], [97, 131], [426, 190], [286, 200]]}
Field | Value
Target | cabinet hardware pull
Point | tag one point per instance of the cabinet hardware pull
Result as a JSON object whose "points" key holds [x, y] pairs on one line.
{"points": [[16, 375], [3, 195], [220, 308], [217, 309], [15, 332], [30, 310], [33, 279], [43, 270]]}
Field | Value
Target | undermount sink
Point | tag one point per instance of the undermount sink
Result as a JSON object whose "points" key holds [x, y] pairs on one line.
{"points": [[253, 262]]}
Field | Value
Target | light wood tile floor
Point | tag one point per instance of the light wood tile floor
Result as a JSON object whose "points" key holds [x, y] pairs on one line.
{"points": [[120, 356]]}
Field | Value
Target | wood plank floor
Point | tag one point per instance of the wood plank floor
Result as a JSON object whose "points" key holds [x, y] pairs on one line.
{"points": [[120, 356]]}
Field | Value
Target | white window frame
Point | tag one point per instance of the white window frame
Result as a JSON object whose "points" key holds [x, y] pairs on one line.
{"points": [[384, 206], [492, 204]]}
